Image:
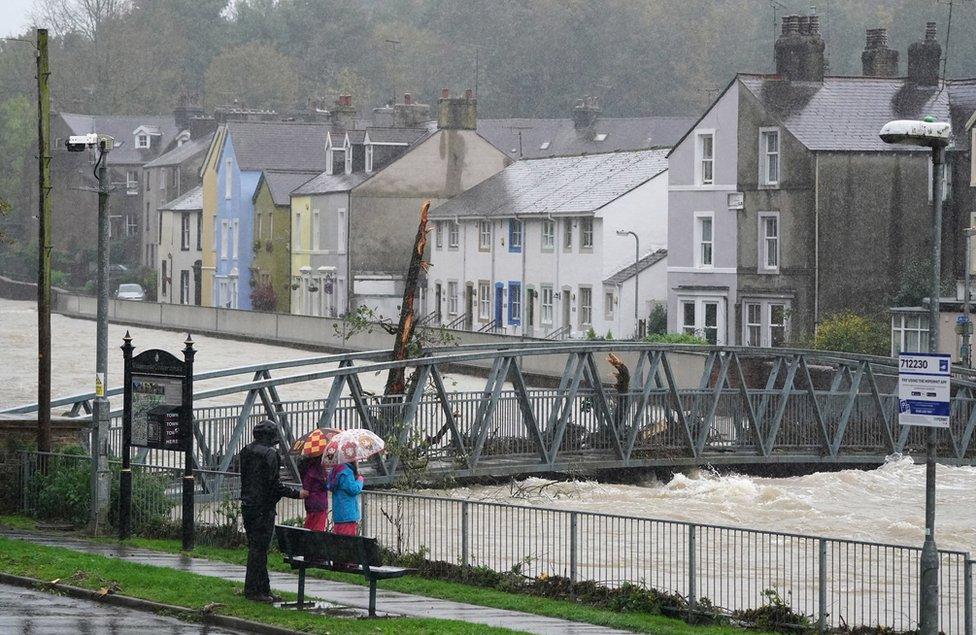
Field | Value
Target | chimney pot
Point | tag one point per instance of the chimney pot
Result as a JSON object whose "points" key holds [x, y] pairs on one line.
{"points": [[815, 25], [877, 60], [407, 98], [799, 51], [468, 93], [804, 25], [445, 93], [930, 31], [924, 58]]}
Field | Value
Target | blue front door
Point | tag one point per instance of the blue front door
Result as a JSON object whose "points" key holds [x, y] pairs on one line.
{"points": [[499, 299]]}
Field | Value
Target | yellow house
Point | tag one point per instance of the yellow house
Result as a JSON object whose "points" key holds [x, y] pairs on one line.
{"points": [[271, 266], [208, 173]]}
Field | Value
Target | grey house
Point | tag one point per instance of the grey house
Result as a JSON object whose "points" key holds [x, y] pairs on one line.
{"points": [[785, 206]]}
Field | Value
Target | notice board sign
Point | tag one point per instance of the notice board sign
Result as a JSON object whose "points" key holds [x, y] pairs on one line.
{"points": [[923, 389], [154, 394], [157, 415]]}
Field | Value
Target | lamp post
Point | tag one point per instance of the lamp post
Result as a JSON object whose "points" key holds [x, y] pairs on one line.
{"points": [[621, 232], [935, 136], [101, 477], [967, 328]]}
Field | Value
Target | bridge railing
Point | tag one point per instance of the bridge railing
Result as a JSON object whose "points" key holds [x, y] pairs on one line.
{"points": [[832, 581]]}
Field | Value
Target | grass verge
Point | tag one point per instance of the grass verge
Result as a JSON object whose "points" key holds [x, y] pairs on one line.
{"points": [[194, 591]]}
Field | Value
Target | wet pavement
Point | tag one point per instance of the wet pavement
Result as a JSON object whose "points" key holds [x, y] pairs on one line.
{"points": [[351, 595], [32, 612]]}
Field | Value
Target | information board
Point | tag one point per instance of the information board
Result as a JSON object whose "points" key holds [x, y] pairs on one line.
{"points": [[149, 392], [923, 389]]}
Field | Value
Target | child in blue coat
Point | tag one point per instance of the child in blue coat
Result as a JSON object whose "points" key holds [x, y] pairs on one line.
{"points": [[345, 483]]}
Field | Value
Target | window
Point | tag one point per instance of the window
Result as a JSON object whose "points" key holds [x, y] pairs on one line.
{"points": [[484, 235], [146, 180], [260, 228], [348, 154], [162, 178], [764, 322], [769, 156], [753, 324], [484, 300], [701, 317], [131, 182], [163, 276], [184, 286], [546, 304], [777, 324], [568, 234], [315, 230], [705, 158], [145, 225], [296, 231], [341, 230], [909, 333], [224, 235], [585, 306], [704, 253], [548, 235], [769, 241], [185, 231], [159, 225], [227, 179], [453, 229], [608, 305], [199, 233], [515, 235], [514, 303], [236, 237], [131, 225], [369, 158], [142, 141], [439, 235], [586, 233], [452, 298]]}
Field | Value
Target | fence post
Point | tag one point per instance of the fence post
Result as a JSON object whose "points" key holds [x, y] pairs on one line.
{"points": [[968, 590], [692, 566], [363, 525], [24, 478], [822, 587], [465, 544], [572, 551]]}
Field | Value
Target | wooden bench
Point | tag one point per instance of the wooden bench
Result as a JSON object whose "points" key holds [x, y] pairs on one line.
{"points": [[303, 549]]}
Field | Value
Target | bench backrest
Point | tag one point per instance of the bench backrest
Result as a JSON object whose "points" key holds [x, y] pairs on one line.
{"points": [[320, 546]]}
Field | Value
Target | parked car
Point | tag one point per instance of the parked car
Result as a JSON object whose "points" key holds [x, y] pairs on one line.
{"points": [[130, 291]]}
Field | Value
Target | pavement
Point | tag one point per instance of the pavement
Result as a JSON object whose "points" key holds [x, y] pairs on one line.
{"points": [[350, 595], [39, 613]]}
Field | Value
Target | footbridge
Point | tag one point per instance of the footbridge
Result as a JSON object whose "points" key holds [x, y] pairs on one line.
{"points": [[564, 408]]}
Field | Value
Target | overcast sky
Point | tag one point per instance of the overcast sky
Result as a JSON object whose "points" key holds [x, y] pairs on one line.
{"points": [[13, 16]]}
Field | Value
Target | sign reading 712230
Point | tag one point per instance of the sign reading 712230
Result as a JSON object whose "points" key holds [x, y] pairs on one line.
{"points": [[923, 390]]}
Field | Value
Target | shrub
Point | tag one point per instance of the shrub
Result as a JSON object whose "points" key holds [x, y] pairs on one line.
{"points": [[657, 321], [776, 615], [674, 338], [62, 492], [850, 333], [264, 298]]}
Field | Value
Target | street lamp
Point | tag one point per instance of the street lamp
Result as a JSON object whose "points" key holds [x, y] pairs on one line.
{"points": [[101, 478], [967, 328], [934, 135], [621, 232]]}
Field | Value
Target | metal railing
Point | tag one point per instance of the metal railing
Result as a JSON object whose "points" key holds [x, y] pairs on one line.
{"points": [[559, 334], [832, 581]]}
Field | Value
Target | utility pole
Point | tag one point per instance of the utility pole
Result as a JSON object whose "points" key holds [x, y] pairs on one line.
{"points": [[394, 66], [636, 280], [101, 478], [43, 246]]}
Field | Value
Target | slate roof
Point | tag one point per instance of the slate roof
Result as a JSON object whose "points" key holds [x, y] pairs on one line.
{"points": [[561, 185], [643, 264], [121, 128], [405, 136], [281, 184], [283, 146], [962, 105], [180, 154], [326, 183], [356, 136], [845, 113], [623, 133], [190, 201]]}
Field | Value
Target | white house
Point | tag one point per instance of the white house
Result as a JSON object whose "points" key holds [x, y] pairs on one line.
{"points": [[179, 253], [534, 250]]}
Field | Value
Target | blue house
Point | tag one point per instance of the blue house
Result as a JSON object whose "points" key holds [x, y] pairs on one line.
{"points": [[245, 150]]}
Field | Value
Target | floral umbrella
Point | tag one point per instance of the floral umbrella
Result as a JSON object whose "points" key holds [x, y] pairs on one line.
{"points": [[352, 445], [313, 443]]}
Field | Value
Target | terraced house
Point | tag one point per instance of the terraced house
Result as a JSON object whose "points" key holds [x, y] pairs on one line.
{"points": [[784, 204]]}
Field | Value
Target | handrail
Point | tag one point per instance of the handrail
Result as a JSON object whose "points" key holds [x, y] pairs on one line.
{"points": [[456, 322], [491, 327], [558, 334]]}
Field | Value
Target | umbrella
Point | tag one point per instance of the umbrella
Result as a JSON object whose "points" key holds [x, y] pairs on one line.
{"points": [[356, 444], [313, 443]]}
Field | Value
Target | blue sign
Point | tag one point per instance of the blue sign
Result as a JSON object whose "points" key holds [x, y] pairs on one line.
{"points": [[923, 389]]}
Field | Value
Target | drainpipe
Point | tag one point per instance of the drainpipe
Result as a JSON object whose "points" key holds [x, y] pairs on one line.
{"points": [[526, 298], [492, 250], [816, 241], [463, 246]]}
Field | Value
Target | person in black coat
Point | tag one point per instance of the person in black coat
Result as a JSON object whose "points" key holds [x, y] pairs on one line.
{"points": [[261, 489]]}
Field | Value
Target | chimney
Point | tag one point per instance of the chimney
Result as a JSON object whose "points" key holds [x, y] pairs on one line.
{"points": [[202, 127], [457, 113], [343, 115], [878, 60], [185, 112], [799, 50], [410, 114], [924, 58], [585, 113]]}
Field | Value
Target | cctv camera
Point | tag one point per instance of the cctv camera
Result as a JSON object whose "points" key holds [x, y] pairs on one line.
{"points": [[80, 143]]}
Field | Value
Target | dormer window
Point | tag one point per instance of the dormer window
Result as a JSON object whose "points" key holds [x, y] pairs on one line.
{"points": [[348, 157], [142, 141]]}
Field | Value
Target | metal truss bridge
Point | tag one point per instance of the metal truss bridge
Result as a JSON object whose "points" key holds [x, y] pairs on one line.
{"points": [[556, 408]]}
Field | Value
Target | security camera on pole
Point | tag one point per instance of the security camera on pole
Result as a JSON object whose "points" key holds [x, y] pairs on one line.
{"points": [[101, 477], [932, 413]]}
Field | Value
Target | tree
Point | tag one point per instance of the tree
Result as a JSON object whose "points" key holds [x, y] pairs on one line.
{"points": [[851, 333], [255, 74]]}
